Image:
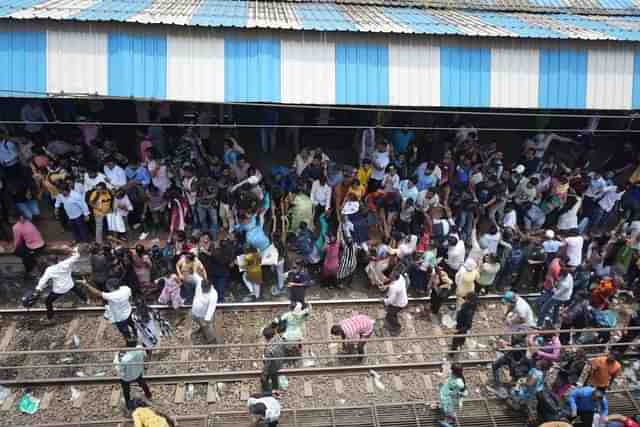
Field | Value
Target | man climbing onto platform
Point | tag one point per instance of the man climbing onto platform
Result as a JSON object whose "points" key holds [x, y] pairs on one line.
{"points": [[61, 282]]}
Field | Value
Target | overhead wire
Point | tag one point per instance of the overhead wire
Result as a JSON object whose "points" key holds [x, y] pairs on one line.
{"points": [[296, 126], [372, 109]]}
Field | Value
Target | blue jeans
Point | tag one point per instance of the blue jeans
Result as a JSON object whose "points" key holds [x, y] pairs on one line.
{"points": [[464, 221], [208, 219], [220, 283], [29, 209], [550, 305]]}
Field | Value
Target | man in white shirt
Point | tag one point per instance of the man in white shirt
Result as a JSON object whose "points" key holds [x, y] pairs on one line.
{"points": [[203, 308], [265, 410], [455, 255], [115, 174], [380, 160], [321, 195], [93, 178], [119, 306], [562, 292], [519, 313], [574, 244], [395, 301], [61, 282]]}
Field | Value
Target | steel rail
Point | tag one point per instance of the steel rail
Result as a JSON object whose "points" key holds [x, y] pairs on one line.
{"points": [[331, 341], [617, 396], [251, 305], [225, 376], [165, 363]]}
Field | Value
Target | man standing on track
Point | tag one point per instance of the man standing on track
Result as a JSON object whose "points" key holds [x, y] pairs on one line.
{"points": [[119, 306], [61, 282], [396, 300], [131, 369]]}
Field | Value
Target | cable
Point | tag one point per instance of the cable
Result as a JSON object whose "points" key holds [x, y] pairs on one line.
{"points": [[343, 127], [376, 109]]}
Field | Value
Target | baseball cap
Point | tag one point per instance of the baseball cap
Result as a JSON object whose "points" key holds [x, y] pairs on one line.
{"points": [[550, 234], [509, 296], [519, 169]]}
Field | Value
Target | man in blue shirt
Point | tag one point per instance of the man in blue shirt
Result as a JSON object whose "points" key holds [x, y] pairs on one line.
{"points": [[401, 138], [138, 173], [585, 402], [77, 211]]}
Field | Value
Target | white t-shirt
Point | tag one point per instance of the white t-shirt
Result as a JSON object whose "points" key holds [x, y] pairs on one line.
{"points": [[490, 242], [119, 305], [455, 255], [565, 289], [380, 162], [574, 250], [523, 310], [510, 219]]}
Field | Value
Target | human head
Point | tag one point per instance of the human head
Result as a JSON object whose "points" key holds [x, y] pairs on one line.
{"points": [[111, 285], [337, 331], [205, 286], [509, 297], [101, 187], [268, 333]]}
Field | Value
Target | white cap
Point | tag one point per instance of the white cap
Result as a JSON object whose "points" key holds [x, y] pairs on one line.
{"points": [[519, 169], [550, 234], [253, 180]]}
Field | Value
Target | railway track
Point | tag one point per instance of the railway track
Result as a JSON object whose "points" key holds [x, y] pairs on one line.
{"points": [[209, 378], [25, 342], [478, 412]]}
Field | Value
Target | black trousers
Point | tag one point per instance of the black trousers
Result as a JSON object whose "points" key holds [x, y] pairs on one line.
{"points": [[54, 296], [458, 342], [269, 381], [586, 417], [436, 301], [126, 389], [127, 328], [391, 319]]}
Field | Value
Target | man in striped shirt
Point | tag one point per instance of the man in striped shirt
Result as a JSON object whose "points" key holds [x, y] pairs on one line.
{"points": [[354, 331]]}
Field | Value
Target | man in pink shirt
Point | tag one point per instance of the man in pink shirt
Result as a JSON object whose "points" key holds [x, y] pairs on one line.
{"points": [[355, 332], [28, 243]]}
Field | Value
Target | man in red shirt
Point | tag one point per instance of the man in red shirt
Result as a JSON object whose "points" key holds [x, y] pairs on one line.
{"points": [[27, 242]]}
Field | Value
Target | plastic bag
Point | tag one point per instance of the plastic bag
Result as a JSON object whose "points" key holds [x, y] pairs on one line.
{"points": [[28, 404], [283, 382], [448, 322], [4, 393]]}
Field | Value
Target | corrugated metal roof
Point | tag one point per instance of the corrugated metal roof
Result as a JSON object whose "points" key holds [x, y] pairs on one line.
{"points": [[321, 15]]}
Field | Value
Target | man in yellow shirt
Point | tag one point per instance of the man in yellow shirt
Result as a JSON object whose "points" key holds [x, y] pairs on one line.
{"points": [[101, 203]]}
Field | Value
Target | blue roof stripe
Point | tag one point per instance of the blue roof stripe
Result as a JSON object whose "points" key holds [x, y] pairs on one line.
{"points": [[617, 4], [221, 13], [113, 10], [516, 25], [8, 7], [549, 3], [582, 22], [324, 17], [420, 21]]}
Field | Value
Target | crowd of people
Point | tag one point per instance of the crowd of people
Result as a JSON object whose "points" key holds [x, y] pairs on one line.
{"points": [[464, 223]]}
